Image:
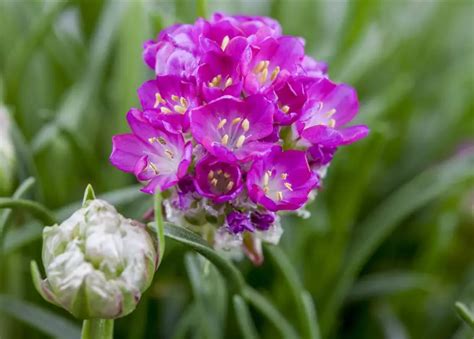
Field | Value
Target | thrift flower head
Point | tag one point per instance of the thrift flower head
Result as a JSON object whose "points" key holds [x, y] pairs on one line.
{"points": [[237, 126], [97, 262]]}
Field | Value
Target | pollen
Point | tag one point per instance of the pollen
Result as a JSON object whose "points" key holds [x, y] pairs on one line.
{"points": [[330, 113], [264, 75], [226, 175], [161, 140], [225, 139], [216, 81], [175, 98], [230, 185], [279, 195], [240, 141], [332, 123], [288, 186], [221, 123], [285, 109], [180, 109], [275, 72], [245, 125], [158, 100], [183, 102], [214, 182], [210, 175], [266, 179], [165, 110], [236, 121], [153, 167], [284, 176], [225, 42], [169, 154], [228, 82]]}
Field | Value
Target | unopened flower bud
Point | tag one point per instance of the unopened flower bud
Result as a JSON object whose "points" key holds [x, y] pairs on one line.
{"points": [[7, 154], [97, 262]]}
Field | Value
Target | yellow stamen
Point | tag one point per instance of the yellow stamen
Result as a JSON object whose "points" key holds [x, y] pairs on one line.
{"points": [[210, 175], [288, 186], [153, 167], [228, 82], [219, 172], [161, 140], [165, 110], [266, 179], [284, 176], [226, 175], [275, 72], [330, 113], [279, 195], [264, 75], [169, 154], [225, 42], [214, 182], [240, 141], [175, 98], [225, 139], [230, 185], [158, 100], [260, 66], [216, 81], [332, 123], [285, 108], [245, 125], [236, 121], [179, 109], [221, 123], [183, 102]]}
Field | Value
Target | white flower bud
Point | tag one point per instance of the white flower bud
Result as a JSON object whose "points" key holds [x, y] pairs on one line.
{"points": [[97, 262], [7, 154]]}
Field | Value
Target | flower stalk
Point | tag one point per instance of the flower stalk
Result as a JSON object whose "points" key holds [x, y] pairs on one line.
{"points": [[97, 329]]}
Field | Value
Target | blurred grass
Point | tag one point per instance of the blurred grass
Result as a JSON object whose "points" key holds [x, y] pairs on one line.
{"points": [[69, 71]]}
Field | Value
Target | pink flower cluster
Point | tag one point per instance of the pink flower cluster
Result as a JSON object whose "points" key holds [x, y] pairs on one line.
{"points": [[237, 124]]}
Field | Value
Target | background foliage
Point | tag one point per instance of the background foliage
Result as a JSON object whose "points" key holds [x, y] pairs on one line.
{"points": [[389, 246]]}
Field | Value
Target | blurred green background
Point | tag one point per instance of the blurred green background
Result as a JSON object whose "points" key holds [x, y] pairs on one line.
{"points": [[389, 247]]}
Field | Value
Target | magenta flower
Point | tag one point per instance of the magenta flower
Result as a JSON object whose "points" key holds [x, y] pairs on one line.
{"points": [[217, 180], [329, 108], [274, 61], [230, 128], [174, 52], [168, 98], [290, 96], [155, 154], [238, 222], [236, 125], [281, 181]]}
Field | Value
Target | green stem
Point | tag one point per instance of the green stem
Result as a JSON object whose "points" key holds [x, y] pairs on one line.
{"points": [[159, 226], [97, 329], [38, 210]]}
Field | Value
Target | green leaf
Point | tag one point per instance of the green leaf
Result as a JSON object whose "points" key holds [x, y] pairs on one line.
{"points": [[7, 214], [415, 194], [39, 318], [267, 309], [244, 319], [295, 288], [36, 209], [466, 314], [388, 283]]}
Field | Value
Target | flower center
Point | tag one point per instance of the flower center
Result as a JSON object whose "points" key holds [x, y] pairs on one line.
{"points": [[178, 104], [275, 186], [233, 134], [322, 117], [220, 181], [217, 82], [261, 70]]}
